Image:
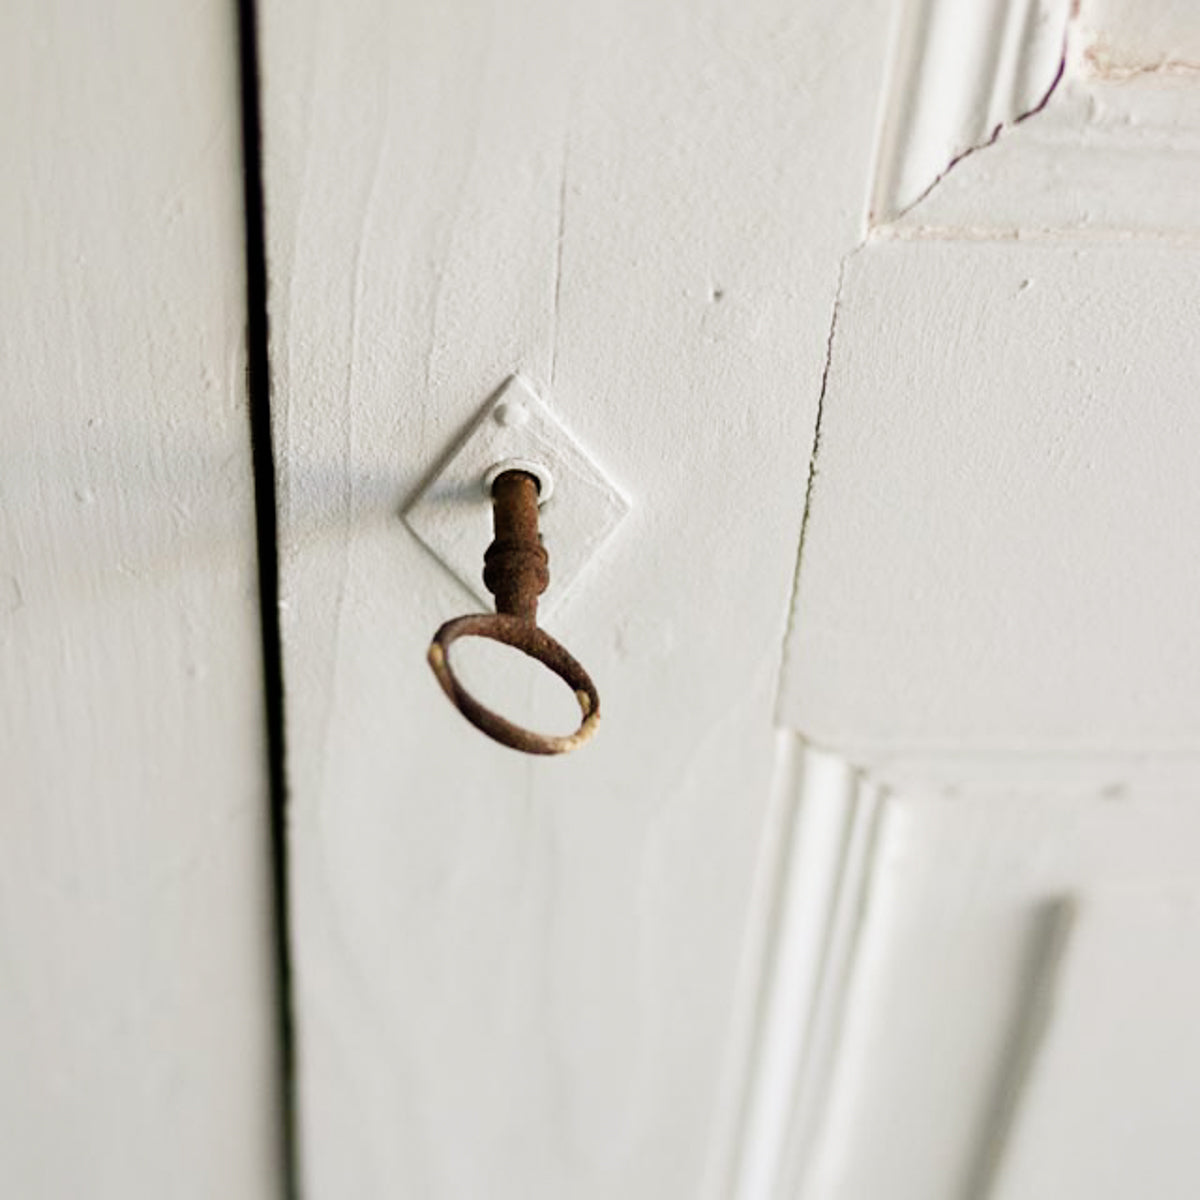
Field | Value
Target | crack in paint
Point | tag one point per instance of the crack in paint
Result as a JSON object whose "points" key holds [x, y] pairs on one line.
{"points": [[558, 259], [825, 371], [997, 131], [990, 140], [814, 455]]}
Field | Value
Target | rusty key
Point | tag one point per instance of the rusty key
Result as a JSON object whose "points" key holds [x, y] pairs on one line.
{"points": [[516, 571]]}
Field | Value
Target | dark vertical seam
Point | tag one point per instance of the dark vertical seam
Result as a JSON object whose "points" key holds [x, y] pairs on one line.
{"points": [[258, 381]]}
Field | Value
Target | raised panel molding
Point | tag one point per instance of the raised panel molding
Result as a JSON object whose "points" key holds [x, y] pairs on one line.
{"points": [[1020, 118], [915, 981], [960, 74], [819, 840]]}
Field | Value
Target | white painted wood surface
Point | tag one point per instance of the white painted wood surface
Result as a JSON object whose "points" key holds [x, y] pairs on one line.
{"points": [[961, 75], [998, 555], [994, 625], [136, 1005], [952, 1004], [514, 978], [1112, 147], [997, 997], [1110, 1106]]}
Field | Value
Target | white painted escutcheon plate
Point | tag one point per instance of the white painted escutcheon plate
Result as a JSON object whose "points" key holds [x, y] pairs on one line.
{"points": [[580, 508]]}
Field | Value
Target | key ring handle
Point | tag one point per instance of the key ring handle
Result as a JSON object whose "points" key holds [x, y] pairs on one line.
{"points": [[527, 637]]}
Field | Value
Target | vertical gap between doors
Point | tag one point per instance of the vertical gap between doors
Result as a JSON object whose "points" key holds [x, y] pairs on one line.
{"points": [[258, 379]]}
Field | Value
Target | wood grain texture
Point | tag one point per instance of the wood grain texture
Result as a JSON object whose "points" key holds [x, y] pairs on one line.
{"points": [[135, 995], [998, 549], [515, 978]]}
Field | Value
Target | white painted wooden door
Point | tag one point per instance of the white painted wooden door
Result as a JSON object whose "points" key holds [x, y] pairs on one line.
{"points": [[903, 289], [515, 978], [879, 879], [994, 643]]}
